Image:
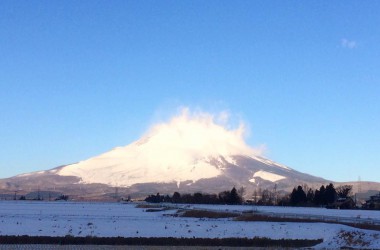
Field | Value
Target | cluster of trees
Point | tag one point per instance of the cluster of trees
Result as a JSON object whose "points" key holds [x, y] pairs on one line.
{"points": [[320, 197], [41, 198], [265, 197], [233, 197], [301, 196], [62, 197]]}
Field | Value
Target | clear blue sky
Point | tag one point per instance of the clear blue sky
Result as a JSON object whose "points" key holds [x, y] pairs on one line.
{"points": [[78, 78]]}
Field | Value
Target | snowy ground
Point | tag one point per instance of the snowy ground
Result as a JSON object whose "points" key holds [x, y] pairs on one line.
{"points": [[115, 219]]}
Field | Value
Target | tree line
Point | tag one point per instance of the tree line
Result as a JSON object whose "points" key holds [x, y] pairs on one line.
{"points": [[300, 196], [232, 197]]}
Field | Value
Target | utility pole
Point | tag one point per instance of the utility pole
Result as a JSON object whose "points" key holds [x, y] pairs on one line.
{"points": [[275, 194], [359, 191], [38, 194], [116, 192]]}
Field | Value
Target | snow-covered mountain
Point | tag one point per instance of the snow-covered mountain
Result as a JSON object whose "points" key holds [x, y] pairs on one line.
{"points": [[186, 149], [189, 153]]}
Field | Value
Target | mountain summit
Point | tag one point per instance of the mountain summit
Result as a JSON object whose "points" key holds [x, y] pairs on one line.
{"points": [[187, 148], [189, 153]]}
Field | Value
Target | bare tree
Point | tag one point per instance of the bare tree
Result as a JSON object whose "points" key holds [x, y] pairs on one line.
{"points": [[266, 197], [344, 191], [241, 192], [254, 196]]}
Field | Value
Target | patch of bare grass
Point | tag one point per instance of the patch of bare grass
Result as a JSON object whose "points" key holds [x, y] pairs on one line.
{"points": [[153, 208], [158, 209], [207, 214], [148, 206], [260, 217], [354, 238]]}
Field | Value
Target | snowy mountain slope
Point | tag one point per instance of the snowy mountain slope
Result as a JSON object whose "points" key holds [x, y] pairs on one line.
{"points": [[181, 150]]}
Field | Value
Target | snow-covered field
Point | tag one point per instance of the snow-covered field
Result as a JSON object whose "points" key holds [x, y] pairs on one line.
{"points": [[116, 219]]}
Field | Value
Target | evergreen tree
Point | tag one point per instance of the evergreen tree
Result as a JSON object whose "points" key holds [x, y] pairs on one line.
{"points": [[322, 196], [310, 196], [293, 197], [176, 197], [198, 198], [298, 196], [301, 195], [317, 198], [330, 194], [234, 197]]}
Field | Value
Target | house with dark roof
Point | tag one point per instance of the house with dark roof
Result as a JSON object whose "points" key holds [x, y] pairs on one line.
{"points": [[373, 202]]}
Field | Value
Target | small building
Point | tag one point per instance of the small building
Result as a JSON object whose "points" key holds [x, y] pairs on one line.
{"points": [[373, 202], [343, 203]]}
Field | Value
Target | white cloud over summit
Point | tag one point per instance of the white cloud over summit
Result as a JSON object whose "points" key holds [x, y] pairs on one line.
{"points": [[202, 133]]}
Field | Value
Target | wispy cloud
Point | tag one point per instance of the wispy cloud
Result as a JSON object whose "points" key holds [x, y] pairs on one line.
{"points": [[349, 44]]}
